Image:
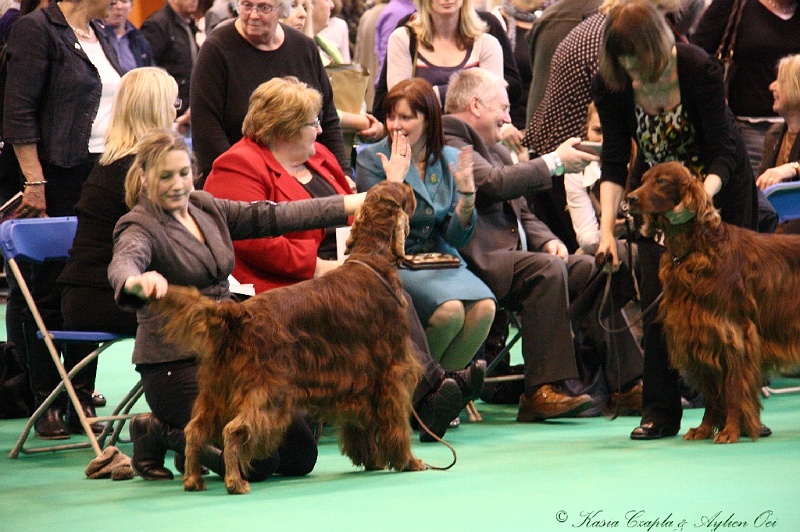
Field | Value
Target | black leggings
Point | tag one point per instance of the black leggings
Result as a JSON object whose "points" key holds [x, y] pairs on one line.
{"points": [[171, 388]]}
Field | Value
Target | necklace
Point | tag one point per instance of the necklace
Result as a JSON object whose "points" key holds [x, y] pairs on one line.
{"points": [[786, 10], [88, 33]]}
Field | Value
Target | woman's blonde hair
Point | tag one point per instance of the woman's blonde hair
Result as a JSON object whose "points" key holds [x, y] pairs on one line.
{"points": [[634, 28], [470, 25], [789, 81], [279, 109], [141, 181], [144, 101]]}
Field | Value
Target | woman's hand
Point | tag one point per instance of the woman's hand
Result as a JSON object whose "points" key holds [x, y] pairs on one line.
{"points": [[512, 139], [775, 175], [399, 161], [33, 203], [373, 132], [148, 285]]}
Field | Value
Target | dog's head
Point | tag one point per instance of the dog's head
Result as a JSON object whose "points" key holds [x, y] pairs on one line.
{"points": [[381, 224], [671, 195]]}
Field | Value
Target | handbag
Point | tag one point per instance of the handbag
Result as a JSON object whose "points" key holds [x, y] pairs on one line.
{"points": [[727, 43], [349, 85], [431, 261]]}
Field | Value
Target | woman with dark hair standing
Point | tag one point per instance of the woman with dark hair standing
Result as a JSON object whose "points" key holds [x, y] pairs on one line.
{"points": [[670, 99], [62, 77], [456, 307]]}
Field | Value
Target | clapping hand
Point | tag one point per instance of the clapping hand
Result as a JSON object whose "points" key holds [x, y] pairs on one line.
{"points": [[462, 174]]}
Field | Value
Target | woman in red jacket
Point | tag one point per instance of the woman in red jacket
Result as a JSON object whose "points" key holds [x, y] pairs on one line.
{"points": [[278, 159]]}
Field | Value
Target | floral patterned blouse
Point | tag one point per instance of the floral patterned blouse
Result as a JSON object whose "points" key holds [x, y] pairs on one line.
{"points": [[668, 136]]}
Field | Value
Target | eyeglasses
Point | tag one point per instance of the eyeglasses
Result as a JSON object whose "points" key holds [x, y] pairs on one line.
{"points": [[177, 103], [315, 124], [262, 9]]}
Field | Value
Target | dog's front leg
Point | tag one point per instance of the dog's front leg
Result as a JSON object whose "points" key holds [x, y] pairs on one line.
{"points": [[193, 478], [234, 435]]}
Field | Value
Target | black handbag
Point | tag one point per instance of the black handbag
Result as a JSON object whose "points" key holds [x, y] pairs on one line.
{"points": [[727, 43]]}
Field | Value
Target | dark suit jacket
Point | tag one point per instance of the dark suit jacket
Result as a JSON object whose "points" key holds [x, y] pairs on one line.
{"points": [[500, 205], [772, 143], [172, 48]]}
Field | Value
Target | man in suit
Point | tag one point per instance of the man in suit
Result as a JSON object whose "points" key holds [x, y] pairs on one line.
{"points": [[515, 254]]}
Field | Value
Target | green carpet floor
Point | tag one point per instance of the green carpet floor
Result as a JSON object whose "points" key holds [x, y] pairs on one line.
{"points": [[556, 476]]}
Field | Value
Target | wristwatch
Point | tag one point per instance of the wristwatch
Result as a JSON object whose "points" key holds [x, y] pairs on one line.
{"points": [[559, 165]]}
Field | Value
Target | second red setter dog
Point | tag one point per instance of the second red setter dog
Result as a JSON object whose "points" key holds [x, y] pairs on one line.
{"points": [[731, 304], [337, 346]]}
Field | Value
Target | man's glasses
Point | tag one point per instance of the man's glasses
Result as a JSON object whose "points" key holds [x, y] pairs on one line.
{"points": [[262, 9]]}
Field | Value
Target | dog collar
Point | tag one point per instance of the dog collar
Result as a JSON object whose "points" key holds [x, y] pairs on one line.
{"points": [[678, 218]]}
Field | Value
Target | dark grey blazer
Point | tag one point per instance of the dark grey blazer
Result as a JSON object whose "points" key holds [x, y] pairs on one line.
{"points": [[146, 239], [501, 185]]}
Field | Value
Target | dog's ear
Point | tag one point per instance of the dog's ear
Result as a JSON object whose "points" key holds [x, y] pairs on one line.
{"points": [[401, 229], [358, 220]]}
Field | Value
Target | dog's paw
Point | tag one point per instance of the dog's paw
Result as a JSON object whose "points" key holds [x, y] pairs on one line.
{"points": [[415, 464], [700, 433], [194, 483], [727, 436], [237, 486]]}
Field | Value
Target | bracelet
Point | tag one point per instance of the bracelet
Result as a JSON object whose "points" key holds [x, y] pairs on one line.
{"points": [[34, 183], [467, 193]]}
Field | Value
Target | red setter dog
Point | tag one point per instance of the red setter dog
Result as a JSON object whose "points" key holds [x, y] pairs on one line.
{"points": [[337, 346], [731, 304]]}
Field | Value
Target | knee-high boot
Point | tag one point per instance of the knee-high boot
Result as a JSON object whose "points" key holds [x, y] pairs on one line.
{"points": [[152, 438]]}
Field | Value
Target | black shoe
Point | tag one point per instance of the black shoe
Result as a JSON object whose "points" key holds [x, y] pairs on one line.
{"points": [[149, 436], [74, 421], [653, 431], [439, 408], [470, 380], [764, 431], [51, 426], [98, 399]]}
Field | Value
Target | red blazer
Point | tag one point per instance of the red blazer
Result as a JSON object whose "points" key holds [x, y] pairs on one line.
{"points": [[249, 172]]}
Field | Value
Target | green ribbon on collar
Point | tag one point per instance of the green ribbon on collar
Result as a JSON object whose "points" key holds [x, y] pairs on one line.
{"points": [[678, 218]]}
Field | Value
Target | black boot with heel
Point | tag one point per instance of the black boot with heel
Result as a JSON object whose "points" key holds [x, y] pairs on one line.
{"points": [[152, 438]]}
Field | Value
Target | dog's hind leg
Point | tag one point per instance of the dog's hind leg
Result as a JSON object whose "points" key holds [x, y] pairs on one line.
{"points": [[713, 416], [254, 433], [197, 435], [359, 444]]}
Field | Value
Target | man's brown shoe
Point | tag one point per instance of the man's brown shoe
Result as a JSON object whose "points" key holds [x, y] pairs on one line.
{"points": [[550, 401], [630, 402]]}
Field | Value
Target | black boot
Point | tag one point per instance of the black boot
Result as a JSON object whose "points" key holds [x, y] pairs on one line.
{"points": [[150, 444], [50, 425], [88, 410], [213, 460]]}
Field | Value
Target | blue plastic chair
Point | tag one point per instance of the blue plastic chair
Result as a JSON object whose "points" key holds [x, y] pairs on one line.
{"points": [[38, 240], [785, 198]]}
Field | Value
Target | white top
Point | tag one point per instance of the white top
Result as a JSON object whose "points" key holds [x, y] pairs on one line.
{"points": [[486, 53], [110, 80], [581, 210], [337, 33]]}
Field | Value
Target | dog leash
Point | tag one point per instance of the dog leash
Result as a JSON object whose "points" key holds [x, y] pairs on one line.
{"points": [[380, 277], [416, 416]]}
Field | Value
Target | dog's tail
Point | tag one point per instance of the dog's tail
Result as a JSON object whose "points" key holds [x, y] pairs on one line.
{"points": [[196, 323]]}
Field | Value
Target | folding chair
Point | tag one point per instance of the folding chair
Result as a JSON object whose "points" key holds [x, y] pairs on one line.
{"points": [[785, 198], [37, 240]]}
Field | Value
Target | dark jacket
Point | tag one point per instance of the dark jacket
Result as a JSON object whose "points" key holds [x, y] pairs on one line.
{"points": [[137, 43], [772, 145], [53, 89], [172, 48]]}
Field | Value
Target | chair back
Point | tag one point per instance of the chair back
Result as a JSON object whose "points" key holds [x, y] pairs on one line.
{"points": [[785, 198], [38, 239]]}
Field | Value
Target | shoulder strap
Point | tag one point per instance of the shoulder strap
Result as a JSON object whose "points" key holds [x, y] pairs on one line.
{"points": [[728, 40]]}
